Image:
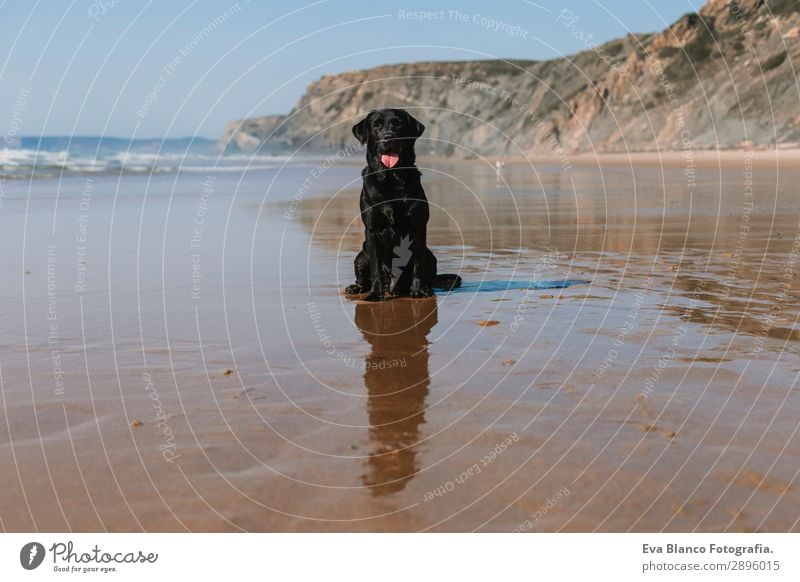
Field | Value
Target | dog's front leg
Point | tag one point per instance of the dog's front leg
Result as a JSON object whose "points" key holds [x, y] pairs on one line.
{"points": [[362, 270], [420, 278], [377, 241]]}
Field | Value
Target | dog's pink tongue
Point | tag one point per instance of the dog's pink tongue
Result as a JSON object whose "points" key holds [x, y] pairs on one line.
{"points": [[389, 160]]}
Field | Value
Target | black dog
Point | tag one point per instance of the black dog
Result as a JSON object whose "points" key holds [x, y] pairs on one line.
{"points": [[395, 256]]}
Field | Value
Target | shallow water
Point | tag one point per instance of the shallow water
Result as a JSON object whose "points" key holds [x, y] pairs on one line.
{"points": [[652, 389]]}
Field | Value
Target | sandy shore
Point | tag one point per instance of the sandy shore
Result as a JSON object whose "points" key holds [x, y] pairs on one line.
{"points": [[177, 355]]}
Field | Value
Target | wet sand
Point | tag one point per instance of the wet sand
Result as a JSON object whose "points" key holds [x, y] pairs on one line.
{"points": [[196, 367]]}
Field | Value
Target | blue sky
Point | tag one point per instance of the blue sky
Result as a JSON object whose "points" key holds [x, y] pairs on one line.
{"points": [[133, 67]]}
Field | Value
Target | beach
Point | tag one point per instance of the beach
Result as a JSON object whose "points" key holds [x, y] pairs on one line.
{"points": [[178, 354]]}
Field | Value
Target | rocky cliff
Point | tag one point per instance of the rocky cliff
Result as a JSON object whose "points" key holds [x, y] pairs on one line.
{"points": [[723, 77]]}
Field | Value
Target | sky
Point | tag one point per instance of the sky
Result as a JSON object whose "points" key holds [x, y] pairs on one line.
{"points": [[138, 68]]}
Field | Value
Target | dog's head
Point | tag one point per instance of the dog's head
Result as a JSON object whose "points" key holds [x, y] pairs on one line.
{"points": [[390, 135]]}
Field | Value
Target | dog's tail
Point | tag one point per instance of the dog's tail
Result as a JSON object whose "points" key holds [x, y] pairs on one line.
{"points": [[446, 281]]}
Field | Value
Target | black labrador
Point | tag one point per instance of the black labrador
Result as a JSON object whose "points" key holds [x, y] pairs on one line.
{"points": [[395, 256]]}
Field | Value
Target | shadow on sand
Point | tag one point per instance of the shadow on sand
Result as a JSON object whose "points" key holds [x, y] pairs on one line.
{"points": [[493, 286]]}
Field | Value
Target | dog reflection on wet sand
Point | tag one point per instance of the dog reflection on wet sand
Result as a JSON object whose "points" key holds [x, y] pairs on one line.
{"points": [[397, 378]]}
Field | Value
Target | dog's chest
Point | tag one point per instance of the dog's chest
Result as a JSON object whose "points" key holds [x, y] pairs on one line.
{"points": [[394, 201], [396, 213]]}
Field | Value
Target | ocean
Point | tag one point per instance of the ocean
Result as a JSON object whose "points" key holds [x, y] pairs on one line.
{"points": [[51, 156]]}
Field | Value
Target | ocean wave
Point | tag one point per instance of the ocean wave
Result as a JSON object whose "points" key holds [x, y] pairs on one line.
{"points": [[16, 162]]}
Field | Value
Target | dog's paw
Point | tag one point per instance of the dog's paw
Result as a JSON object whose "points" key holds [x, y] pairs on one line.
{"points": [[421, 293], [353, 289]]}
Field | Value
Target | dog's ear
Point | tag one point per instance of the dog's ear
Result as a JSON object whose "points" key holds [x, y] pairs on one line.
{"points": [[361, 129], [417, 128]]}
